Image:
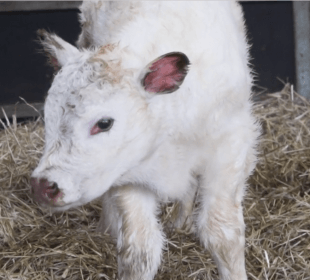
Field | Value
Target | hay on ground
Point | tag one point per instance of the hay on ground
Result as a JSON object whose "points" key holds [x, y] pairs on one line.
{"points": [[37, 245]]}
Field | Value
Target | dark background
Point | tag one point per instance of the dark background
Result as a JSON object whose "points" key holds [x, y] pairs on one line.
{"points": [[271, 34], [24, 71]]}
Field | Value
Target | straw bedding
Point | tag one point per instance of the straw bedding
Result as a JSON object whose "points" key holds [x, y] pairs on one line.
{"points": [[35, 244]]}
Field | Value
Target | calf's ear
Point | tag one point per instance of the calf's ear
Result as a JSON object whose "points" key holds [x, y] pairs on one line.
{"points": [[166, 73], [57, 50]]}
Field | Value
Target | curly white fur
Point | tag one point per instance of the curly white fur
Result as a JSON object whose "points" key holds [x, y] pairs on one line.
{"points": [[160, 146]]}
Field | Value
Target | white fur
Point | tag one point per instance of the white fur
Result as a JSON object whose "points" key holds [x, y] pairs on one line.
{"points": [[160, 146]]}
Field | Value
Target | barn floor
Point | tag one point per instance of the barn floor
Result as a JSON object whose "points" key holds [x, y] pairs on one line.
{"points": [[38, 245]]}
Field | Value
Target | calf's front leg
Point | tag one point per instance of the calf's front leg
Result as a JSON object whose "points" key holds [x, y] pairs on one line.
{"points": [[129, 214], [221, 230], [220, 223]]}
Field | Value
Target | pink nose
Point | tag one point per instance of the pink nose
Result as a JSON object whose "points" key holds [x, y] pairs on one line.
{"points": [[45, 192]]}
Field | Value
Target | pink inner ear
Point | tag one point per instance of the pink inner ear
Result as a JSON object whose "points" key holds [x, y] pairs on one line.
{"points": [[165, 76], [55, 63]]}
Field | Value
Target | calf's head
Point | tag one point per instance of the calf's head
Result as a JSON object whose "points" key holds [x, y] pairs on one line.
{"points": [[98, 124]]}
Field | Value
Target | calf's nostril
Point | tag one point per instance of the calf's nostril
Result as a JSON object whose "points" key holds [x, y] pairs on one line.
{"points": [[52, 191]]}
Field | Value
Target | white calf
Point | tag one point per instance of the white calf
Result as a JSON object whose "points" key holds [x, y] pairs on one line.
{"points": [[157, 107]]}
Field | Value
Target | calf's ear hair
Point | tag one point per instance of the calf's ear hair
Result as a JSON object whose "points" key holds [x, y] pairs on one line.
{"points": [[57, 50], [166, 73]]}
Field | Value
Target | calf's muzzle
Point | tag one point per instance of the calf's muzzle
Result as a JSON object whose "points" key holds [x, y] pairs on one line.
{"points": [[46, 192]]}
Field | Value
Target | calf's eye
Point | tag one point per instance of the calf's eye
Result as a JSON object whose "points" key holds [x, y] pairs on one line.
{"points": [[102, 126]]}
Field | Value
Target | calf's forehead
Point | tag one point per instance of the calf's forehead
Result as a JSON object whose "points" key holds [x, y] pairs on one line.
{"points": [[79, 101], [71, 86], [64, 99], [84, 86]]}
